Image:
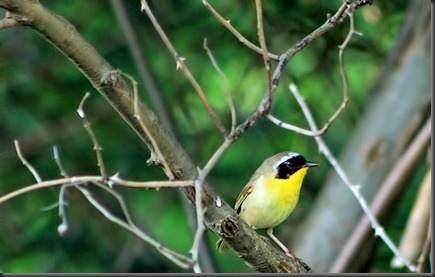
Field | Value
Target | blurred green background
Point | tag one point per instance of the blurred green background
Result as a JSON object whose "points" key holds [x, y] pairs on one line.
{"points": [[40, 91]]}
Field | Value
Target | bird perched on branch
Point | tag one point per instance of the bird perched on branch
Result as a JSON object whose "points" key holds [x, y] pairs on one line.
{"points": [[271, 194]]}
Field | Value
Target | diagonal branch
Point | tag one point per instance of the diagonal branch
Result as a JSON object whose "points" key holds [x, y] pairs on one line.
{"points": [[141, 63], [226, 87], [345, 81], [26, 163], [262, 39], [263, 109], [237, 34], [354, 188], [182, 66]]}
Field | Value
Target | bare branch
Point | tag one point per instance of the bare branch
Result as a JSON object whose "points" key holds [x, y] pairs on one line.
{"points": [[198, 201], [87, 125], [63, 227], [182, 66], [47, 184], [115, 180], [294, 128], [391, 186], [129, 225], [58, 162], [139, 59], [342, 48], [121, 203], [237, 34], [26, 163], [262, 39], [156, 155], [345, 102], [379, 230], [302, 131], [194, 250], [178, 259], [226, 86], [265, 105], [330, 23]]}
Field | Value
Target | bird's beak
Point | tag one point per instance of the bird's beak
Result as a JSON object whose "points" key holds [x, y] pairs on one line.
{"points": [[308, 164]]}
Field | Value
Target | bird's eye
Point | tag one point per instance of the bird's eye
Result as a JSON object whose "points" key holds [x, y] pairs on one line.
{"points": [[290, 166], [297, 161]]}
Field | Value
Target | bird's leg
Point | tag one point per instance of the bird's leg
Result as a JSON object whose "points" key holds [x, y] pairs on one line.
{"points": [[275, 239]]}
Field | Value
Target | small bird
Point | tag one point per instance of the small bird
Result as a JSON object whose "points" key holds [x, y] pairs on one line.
{"points": [[271, 194]]}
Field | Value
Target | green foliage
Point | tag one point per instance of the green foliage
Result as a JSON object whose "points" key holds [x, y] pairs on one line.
{"points": [[40, 91]]}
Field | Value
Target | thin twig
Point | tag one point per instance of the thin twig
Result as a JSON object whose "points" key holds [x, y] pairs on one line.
{"points": [[330, 23], [51, 183], [63, 227], [226, 86], [306, 132], [198, 202], [194, 250], [215, 158], [87, 125], [237, 34], [262, 39], [355, 189], [156, 154], [121, 202], [343, 72], [115, 180], [50, 207], [26, 163], [180, 260], [392, 185], [129, 225], [182, 66], [58, 162], [139, 59], [265, 105], [75, 180], [342, 48], [297, 129]]}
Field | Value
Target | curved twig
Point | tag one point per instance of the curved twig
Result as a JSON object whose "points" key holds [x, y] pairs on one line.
{"points": [[237, 34]]}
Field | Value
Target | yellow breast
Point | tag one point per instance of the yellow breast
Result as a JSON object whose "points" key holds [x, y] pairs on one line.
{"points": [[285, 192], [272, 200]]}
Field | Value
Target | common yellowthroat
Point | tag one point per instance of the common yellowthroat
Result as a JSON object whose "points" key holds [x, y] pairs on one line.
{"points": [[271, 194]]}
